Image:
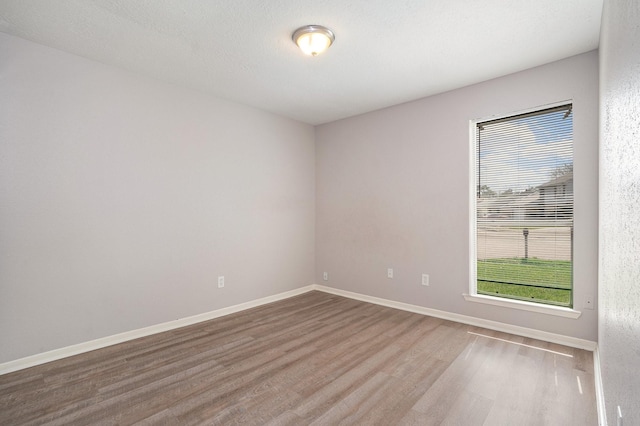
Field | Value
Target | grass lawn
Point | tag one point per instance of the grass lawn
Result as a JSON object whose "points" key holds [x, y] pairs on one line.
{"points": [[504, 277]]}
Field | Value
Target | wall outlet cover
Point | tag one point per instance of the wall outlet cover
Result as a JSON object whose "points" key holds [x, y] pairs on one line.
{"points": [[425, 279]]}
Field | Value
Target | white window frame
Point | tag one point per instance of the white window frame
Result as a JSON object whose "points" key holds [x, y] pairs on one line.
{"points": [[473, 295]]}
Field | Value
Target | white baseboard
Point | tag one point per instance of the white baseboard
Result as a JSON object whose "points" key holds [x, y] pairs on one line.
{"points": [[478, 322], [597, 375], [56, 354]]}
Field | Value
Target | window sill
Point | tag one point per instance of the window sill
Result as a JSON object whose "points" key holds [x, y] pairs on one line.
{"points": [[525, 306]]}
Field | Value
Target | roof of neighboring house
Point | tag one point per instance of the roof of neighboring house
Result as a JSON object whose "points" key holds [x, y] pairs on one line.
{"points": [[526, 199], [567, 177], [509, 201]]}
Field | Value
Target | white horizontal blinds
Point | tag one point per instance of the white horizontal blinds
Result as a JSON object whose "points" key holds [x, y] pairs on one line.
{"points": [[525, 205]]}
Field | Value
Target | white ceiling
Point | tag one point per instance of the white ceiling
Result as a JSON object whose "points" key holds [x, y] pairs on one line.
{"points": [[386, 52]]}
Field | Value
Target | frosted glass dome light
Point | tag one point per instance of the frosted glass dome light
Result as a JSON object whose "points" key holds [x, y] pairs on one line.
{"points": [[313, 39]]}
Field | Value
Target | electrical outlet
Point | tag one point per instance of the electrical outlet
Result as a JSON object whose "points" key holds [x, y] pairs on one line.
{"points": [[425, 279], [325, 276], [220, 281], [588, 302], [390, 273]]}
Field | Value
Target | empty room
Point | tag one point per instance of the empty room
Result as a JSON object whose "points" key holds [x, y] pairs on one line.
{"points": [[324, 212]]}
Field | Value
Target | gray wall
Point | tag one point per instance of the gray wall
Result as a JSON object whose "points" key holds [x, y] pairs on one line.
{"points": [[122, 199], [619, 322], [392, 190]]}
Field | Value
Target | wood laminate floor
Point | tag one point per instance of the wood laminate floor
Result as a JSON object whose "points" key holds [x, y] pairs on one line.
{"points": [[311, 359]]}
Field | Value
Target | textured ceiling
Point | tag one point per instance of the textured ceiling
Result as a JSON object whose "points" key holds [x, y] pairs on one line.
{"points": [[386, 52]]}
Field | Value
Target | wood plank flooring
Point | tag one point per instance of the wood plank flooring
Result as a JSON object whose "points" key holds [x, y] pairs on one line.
{"points": [[312, 359]]}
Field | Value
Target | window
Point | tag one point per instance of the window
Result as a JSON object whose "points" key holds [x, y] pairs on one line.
{"points": [[524, 207]]}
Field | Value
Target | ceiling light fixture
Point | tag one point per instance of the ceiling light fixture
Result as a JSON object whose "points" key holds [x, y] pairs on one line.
{"points": [[313, 39]]}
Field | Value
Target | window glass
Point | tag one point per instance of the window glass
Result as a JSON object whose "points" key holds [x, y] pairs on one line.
{"points": [[524, 206]]}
